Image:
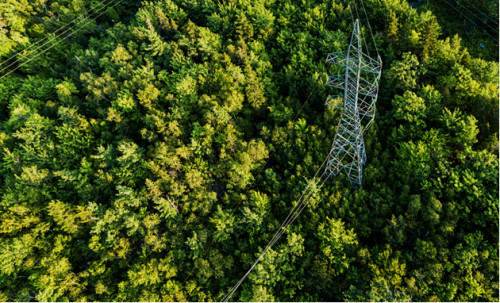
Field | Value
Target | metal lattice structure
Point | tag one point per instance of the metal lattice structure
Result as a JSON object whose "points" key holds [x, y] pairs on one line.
{"points": [[360, 83]]}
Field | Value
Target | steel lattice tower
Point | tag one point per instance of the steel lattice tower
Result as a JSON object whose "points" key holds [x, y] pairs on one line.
{"points": [[360, 84]]}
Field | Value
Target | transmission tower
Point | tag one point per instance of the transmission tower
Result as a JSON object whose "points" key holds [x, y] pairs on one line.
{"points": [[360, 84]]}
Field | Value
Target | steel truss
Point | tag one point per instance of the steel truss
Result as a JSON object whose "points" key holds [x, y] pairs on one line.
{"points": [[360, 83]]}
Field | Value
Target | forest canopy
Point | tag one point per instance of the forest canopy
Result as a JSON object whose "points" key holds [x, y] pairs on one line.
{"points": [[150, 150]]}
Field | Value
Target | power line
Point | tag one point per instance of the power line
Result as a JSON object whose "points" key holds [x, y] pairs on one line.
{"points": [[350, 11], [494, 29], [357, 18], [360, 96], [370, 27], [254, 180], [71, 34], [59, 35], [483, 13], [48, 36], [479, 27], [308, 193], [273, 241]]}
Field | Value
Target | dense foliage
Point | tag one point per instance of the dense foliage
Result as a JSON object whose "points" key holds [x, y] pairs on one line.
{"points": [[125, 148]]}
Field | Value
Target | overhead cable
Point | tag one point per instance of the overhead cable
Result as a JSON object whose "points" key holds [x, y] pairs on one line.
{"points": [[69, 35], [308, 193]]}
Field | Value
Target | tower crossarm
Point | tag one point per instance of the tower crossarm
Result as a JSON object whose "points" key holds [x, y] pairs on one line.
{"points": [[368, 64]]}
